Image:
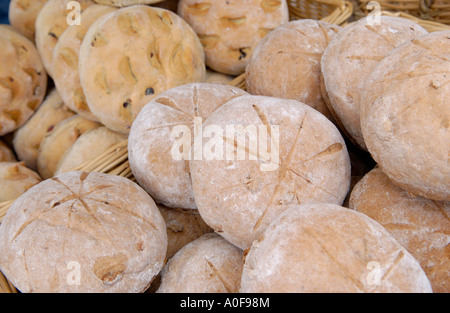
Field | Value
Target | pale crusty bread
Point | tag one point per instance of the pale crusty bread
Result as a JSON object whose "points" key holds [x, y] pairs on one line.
{"points": [[420, 225], [213, 77], [51, 22], [23, 80], [57, 141], [87, 147], [65, 61], [101, 229], [405, 115], [230, 30], [15, 180], [348, 60], [125, 3], [129, 56], [313, 165], [22, 16], [286, 63], [151, 142], [325, 248], [28, 137], [208, 264], [183, 227], [6, 153]]}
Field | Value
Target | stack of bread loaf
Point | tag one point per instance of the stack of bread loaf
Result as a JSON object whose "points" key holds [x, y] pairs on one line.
{"points": [[329, 172]]}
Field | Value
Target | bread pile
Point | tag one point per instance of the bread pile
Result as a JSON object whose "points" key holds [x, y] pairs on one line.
{"points": [[329, 173]]}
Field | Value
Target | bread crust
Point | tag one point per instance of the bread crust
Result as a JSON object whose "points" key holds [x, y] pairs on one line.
{"points": [[83, 232], [405, 116]]}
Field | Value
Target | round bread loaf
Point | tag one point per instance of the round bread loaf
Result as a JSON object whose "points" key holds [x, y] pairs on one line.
{"points": [[420, 225], [51, 22], [321, 247], [23, 80], [6, 153], [87, 147], [58, 141], [28, 137], [22, 16], [129, 56], [240, 187], [154, 139], [213, 77], [65, 61], [230, 30], [286, 63], [125, 3], [348, 60], [83, 232], [16, 179], [183, 227], [405, 115], [209, 264]]}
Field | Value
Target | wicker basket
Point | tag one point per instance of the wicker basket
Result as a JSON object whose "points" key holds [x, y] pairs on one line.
{"points": [[430, 10]]}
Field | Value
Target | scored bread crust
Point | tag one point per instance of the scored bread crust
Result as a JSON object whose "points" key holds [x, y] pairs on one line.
{"points": [[286, 63], [23, 80], [405, 115], [230, 30], [313, 165], [58, 140], [348, 60], [15, 180], [150, 143], [63, 236], [65, 61], [129, 56], [51, 22], [28, 137], [420, 225], [326, 248], [209, 264], [22, 16]]}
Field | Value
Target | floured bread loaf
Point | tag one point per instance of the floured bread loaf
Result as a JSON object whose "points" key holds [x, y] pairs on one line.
{"points": [[59, 140], [294, 155], [129, 56], [6, 154], [154, 141], [87, 147], [348, 60], [420, 225], [183, 227], [64, 235], [325, 248], [22, 16], [28, 137], [51, 22], [230, 30], [65, 61], [23, 80], [16, 179], [124, 3], [286, 63], [208, 264], [405, 115]]}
